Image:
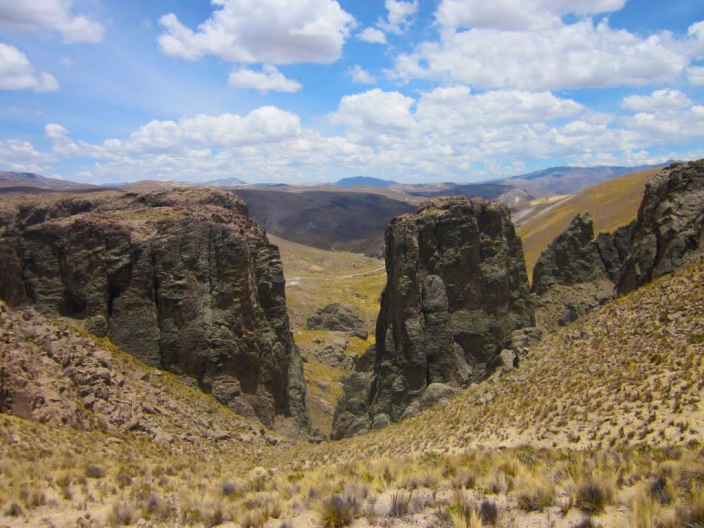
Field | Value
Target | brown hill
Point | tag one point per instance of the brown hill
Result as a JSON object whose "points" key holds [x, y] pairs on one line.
{"points": [[612, 204]]}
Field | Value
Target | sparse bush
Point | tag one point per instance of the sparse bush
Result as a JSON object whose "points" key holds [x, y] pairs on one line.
{"points": [[14, 510], [94, 472], [592, 497], [121, 514], [586, 523], [337, 511], [536, 495], [489, 512], [255, 519], [400, 504]]}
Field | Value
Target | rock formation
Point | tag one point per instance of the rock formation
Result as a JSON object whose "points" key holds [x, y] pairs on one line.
{"points": [[53, 374], [180, 279], [336, 316], [669, 231], [456, 290], [575, 273]]}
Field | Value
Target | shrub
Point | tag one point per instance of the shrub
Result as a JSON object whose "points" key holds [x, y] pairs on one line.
{"points": [[592, 497], [94, 472], [337, 511], [400, 504], [121, 514]]}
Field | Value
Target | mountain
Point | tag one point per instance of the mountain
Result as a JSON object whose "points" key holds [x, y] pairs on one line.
{"points": [[569, 180], [222, 182], [364, 181], [36, 181], [342, 220]]}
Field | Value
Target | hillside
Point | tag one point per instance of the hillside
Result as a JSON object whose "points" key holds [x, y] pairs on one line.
{"points": [[570, 180], [364, 181], [326, 220], [612, 204], [627, 388]]}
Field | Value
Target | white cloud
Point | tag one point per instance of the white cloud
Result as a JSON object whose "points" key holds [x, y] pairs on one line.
{"points": [[579, 55], [55, 15], [373, 36], [659, 100], [268, 79], [370, 115], [17, 73], [400, 16], [268, 31], [14, 152], [360, 76], [517, 14], [695, 75], [665, 116]]}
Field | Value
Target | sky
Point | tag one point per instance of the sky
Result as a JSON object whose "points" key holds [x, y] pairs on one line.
{"points": [[311, 91]]}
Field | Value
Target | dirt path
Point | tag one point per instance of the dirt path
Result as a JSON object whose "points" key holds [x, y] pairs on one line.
{"points": [[296, 280]]}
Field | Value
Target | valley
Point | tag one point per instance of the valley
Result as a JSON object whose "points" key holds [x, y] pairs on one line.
{"points": [[596, 423]]}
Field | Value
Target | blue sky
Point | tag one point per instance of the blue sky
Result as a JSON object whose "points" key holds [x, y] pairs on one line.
{"points": [[307, 91]]}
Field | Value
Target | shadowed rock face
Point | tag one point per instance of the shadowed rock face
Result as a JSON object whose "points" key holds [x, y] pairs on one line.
{"points": [[669, 232], [576, 273], [180, 279], [572, 258], [456, 290]]}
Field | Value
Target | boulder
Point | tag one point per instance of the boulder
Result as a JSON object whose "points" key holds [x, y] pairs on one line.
{"points": [[336, 316]]}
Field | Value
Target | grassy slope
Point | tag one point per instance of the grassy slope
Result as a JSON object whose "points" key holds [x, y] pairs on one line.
{"points": [[612, 204], [634, 379], [629, 373]]}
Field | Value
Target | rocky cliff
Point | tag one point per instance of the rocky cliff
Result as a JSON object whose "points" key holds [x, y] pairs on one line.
{"points": [[456, 290], [669, 231], [576, 272], [181, 279]]}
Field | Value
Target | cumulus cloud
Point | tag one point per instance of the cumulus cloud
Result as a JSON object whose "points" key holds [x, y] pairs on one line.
{"points": [[268, 79], [517, 14], [695, 75], [579, 55], [400, 16], [370, 115], [54, 15], [267, 31], [14, 153], [360, 76], [665, 116], [17, 73], [373, 36], [659, 100]]}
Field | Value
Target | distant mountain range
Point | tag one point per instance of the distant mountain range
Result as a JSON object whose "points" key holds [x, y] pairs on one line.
{"points": [[10, 179], [569, 180], [222, 182], [363, 181]]}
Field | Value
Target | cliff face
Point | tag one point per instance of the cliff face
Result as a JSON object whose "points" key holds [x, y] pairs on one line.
{"points": [[669, 231], [456, 290], [180, 279], [576, 272]]}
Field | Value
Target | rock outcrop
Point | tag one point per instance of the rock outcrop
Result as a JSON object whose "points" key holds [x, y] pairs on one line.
{"points": [[54, 374], [181, 279], [336, 317], [669, 231], [576, 272], [572, 258], [456, 290]]}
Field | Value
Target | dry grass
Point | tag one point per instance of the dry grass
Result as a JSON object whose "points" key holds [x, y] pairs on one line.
{"points": [[612, 204]]}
